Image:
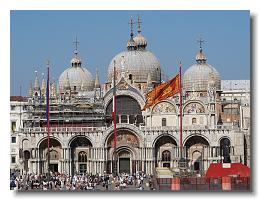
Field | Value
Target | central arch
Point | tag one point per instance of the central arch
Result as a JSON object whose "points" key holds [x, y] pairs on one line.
{"points": [[125, 157], [80, 155], [165, 150]]}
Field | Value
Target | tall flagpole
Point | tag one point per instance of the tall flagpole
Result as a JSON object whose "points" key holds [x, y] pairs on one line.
{"points": [[180, 112], [114, 115], [114, 105], [48, 116]]}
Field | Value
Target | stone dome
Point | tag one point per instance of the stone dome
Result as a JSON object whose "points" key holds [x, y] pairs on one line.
{"points": [[137, 66], [198, 76], [76, 77]]}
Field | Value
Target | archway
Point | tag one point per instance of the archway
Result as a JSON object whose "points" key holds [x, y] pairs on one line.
{"points": [[80, 155], [55, 155], [225, 150], [195, 146], [165, 151], [124, 158], [128, 111]]}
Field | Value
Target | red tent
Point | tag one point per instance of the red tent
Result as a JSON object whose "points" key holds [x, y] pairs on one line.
{"points": [[217, 170]]}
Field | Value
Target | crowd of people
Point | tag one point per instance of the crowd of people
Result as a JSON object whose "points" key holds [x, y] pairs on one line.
{"points": [[80, 182]]}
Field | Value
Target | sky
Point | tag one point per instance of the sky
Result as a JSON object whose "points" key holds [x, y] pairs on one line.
{"points": [[37, 36]]}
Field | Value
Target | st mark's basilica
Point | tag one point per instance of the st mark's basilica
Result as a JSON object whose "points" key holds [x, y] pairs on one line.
{"points": [[216, 114]]}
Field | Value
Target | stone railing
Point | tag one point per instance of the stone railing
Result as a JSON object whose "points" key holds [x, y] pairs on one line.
{"points": [[62, 129]]}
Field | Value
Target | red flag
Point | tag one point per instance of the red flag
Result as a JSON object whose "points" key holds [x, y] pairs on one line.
{"points": [[163, 91]]}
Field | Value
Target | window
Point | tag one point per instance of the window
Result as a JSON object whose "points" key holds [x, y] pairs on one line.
{"points": [[123, 119], [82, 156], [12, 107], [82, 168], [13, 139], [54, 155], [13, 159], [13, 126], [130, 77], [166, 155], [163, 121], [75, 88]]}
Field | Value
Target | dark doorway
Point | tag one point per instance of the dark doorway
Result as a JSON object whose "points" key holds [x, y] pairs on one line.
{"points": [[196, 166], [166, 165], [124, 165], [54, 167]]}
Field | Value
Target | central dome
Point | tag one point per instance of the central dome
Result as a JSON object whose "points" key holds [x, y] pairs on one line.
{"points": [[137, 65]]}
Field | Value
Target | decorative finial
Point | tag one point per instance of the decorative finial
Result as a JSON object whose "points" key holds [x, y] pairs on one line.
{"points": [[131, 22], [76, 45], [200, 41], [139, 24], [48, 63]]}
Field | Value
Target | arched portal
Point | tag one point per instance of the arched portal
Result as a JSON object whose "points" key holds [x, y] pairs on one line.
{"points": [[26, 156], [225, 150], [125, 157], [195, 147], [80, 155], [165, 151], [128, 111], [55, 152]]}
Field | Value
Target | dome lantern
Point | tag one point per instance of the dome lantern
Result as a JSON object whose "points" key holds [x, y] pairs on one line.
{"points": [[131, 44], [140, 40]]}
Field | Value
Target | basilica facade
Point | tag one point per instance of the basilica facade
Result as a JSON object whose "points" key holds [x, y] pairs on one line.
{"points": [[81, 128]]}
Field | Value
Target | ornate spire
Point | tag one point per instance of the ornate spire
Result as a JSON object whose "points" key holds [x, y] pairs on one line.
{"points": [[67, 84], [140, 40], [36, 82], [97, 82], [30, 92], [131, 44], [149, 80], [200, 57], [43, 87]]}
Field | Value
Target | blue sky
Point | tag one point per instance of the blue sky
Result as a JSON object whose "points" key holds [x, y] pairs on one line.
{"points": [[172, 36]]}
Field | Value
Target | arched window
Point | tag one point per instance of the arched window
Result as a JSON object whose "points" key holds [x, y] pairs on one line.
{"points": [[164, 122], [82, 156], [130, 77], [194, 120], [54, 155], [166, 155]]}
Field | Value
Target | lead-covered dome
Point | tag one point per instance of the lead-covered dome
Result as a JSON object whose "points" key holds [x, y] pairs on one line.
{"points": [[137, 65], [200, 75], [76, 77]]}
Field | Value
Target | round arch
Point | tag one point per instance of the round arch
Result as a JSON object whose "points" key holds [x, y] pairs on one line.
{"points": [[163, 135], [53, 141], [224, 137], [76, 139], [201, 109], [163, 102], [197, 138], [51, 138], [126, 127]]}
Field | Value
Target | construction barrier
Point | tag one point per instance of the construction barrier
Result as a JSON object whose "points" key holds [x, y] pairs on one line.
{"points": [[226, 183], [175, 183], [203, 184]]}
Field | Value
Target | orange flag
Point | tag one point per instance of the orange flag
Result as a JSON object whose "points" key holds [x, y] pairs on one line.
{"points": [[163, 91]]}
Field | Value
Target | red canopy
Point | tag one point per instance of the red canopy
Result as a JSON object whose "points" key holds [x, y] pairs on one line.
{"points": [[216, 170]]}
